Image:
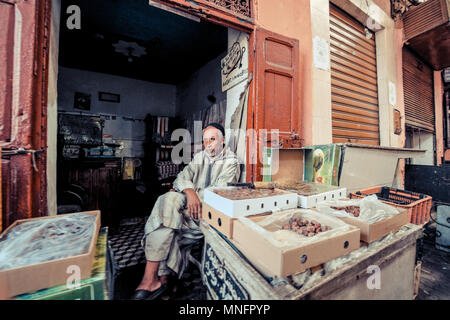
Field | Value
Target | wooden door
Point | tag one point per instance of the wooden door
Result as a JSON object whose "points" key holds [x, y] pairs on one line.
{"points": [[354, 90], [277, 93], [23, 102]]}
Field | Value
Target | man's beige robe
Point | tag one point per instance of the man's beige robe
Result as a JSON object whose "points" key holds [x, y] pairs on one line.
{"points": [[170, 208]]}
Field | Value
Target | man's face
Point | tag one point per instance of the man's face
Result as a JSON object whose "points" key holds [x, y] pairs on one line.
{"points": [[213, 141]]}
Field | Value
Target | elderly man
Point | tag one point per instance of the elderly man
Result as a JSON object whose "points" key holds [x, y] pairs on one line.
{"points": [[173, 226]]}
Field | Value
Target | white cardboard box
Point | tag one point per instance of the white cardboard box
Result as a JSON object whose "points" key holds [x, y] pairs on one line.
{"points": [[248, 207], [310, 201]]}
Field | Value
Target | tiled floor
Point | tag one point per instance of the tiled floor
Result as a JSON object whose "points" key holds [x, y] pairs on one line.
{"points": [[130, 261]]}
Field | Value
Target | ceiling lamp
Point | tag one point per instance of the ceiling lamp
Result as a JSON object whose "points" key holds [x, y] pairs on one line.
{"points": [[129, 49]]}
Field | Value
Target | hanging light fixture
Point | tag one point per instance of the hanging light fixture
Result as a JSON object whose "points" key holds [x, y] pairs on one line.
{"points": [[130, 49]]}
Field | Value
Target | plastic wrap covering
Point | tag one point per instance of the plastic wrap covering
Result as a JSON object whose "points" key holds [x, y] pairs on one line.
{"points": [[270, 227], [46, 239], [371, 209]]}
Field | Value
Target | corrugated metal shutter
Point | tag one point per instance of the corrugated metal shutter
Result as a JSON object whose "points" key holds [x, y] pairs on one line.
{"points": [[424, 17], [418, 91], [354, 89]]}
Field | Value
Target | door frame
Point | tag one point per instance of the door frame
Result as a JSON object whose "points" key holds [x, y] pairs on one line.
{"points": [[206, 13]]}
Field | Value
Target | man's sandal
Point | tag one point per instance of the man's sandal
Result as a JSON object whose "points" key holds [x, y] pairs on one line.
{"points": [[149, 295]]}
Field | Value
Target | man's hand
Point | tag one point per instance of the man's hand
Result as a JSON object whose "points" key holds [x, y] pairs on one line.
{"points": [[194, 205]]}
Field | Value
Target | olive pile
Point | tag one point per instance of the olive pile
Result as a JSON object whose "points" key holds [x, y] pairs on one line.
{"points": [[305, 227], [353, 210], [247, 193]]}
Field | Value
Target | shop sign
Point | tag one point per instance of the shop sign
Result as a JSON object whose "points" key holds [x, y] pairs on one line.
{"points": [[234, 67]]}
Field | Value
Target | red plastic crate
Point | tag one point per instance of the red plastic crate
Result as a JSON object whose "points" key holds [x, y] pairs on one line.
{"points": [[417, 204]]}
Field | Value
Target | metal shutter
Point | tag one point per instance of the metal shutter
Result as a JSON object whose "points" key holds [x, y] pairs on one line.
{"points": [[354, 89], [418, 91]]}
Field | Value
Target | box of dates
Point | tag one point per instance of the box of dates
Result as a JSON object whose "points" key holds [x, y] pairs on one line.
{"points": [[45, 252], [374, 218], [309, 193], [238, 202], [291, 241]]}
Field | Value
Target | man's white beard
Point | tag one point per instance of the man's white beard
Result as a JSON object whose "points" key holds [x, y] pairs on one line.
{"points": [[214, 154]]}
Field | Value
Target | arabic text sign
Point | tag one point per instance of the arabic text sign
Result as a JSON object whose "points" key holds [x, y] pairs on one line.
{"points": [[235, 65]]}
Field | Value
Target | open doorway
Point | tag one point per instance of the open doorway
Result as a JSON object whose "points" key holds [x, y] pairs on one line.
{"points": [[127, 78]]}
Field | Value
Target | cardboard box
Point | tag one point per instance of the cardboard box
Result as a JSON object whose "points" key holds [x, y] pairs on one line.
{"points": [[248, 207], [93, 288], [375, 231], [277, 261], [321, 193], [48, 274], [220, 221]]}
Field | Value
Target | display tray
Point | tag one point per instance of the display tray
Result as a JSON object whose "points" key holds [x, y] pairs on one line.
{"points": [[281, 260], [47, 274], [281, 200]]}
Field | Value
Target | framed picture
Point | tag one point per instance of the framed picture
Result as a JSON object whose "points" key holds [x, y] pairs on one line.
{"points": [[82, 101], [109, 97]]}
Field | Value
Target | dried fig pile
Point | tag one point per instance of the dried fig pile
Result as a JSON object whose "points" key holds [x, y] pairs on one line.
{"points": [[353, 210], [247, 193], [305, 227]]}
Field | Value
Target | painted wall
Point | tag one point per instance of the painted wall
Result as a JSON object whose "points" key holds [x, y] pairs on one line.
{"points": [[137, 98], [191, 95], [424, 141]]}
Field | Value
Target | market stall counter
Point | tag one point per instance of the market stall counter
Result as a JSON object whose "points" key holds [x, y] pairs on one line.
{"points": [[384, 269]]}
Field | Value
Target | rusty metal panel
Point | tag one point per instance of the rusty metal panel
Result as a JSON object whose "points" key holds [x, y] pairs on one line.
{"points": [[418, 92], [16, 189], [5, 192], [354, 88], [23, 107], [6, 71]]}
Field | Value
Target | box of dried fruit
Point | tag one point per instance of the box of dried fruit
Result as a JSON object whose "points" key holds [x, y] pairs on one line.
{"points": [[241, 201], [291, 241], [309, 193], [45, 252], [374, 218]]}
